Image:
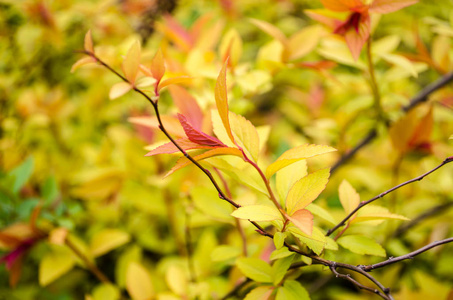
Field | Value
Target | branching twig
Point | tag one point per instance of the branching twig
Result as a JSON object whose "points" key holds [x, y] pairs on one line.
{"points": [[363, 203], [411, 255], [422, 96], [429, 213]]}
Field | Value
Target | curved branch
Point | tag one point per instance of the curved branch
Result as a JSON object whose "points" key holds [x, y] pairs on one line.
{"points": [[381, 195], [411, 255]]}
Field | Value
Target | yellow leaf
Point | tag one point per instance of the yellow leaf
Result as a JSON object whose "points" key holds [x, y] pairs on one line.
{"points": [[106, 291], [131, 63], [231, 46], [296, 154], [375, 213], [303, 219], [101, 186], [385, 45], [401, 62], [174, 80], [257, 213], [402, 130], [245, 135], [158, 66], [349, 198], [306, 190], [107, 240], [176, 280], [119, 89], [221, 100], [287, 176], [303, 42], [138, 282], [183, 162], [55, 264], [81, 62], [271, 30], [88, 42]]}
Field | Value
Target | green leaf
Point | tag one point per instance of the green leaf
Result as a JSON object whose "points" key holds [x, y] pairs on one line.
{"points": [[349, 198], [279, 239], [361, 245], [280, 267], [106, 291], [316, 242], [287, 176], [107, 240], [225, 252], [306, 190], [280, 253], [322, 213], [22, 173], [255, 269], [292, 290], [257, 213], [245, 135], [50, 189], [260, 293], [55, 264], [296, 154]]}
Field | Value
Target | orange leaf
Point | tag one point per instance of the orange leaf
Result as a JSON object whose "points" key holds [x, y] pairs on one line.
{"points": [[88, 43], [303, 219], [119, 89], [171, 124], [422, 132], [169, 147], [176, 33], [174, 80], [388, 6], [158, 66], [222, 100], [197, 136], [131, 63], [343, 5], [356, 39], [184, 162], [187, 106]]}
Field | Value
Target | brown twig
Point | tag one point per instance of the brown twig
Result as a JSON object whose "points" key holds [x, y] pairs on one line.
{"points": [[411, 255], [363, 203]]}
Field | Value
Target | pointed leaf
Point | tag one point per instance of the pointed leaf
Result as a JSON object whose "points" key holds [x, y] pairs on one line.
{"points": [[119, 89], [316, 242], [292, 290], [231, 46], [22, 173], [257, 213], [401, 62], [54, 265], [184, 162], [158, 66], [342, 5], [349, 198], [280, 268], [187, 106], [271, 30], [197, 136], [224, 253], [131, 62], [88, 42], [303, 219], [177, 280], [296, 154], [138, 282], [322, 213], [280, 253], [221, 100], [304, 41], [306, 190], [279, 239], [255, 269], [81, 62], [107, 240], [357, 39], [174, 80], [169, 147], [361, 245], [287, 176], [245, 135], [388, 6], [373, 213], [171, 124], [260, 293]]}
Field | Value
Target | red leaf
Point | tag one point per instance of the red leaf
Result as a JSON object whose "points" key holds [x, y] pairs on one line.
{"points": [[169, 147], [197, 136], [187, 106], [388, 6]]}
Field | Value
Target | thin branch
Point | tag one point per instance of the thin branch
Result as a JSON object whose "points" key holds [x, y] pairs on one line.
{"points": [[429, 213], [422, 96], [411, 255], [363, 203]]}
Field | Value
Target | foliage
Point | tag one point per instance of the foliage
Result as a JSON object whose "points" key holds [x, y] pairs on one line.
{"points": [[253, 149]]}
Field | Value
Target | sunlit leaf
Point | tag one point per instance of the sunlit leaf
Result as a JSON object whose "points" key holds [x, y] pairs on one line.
{"points": [[401, 62], [322, 213], [245, 135], [303, 219], [349, 198], [221, 100], [255, 269], [231, 46], [174, 80], [280, 253], [225, 252], [361, 245], [176, 280], [55, 264], [131, 63], [373, 213], [296, 154], [187, 106], [388, 6], [88, 42], [138, 282], [158, 66], [279, 239], [81, 62], [169, 147], [107, 240], [317, 241], [342, 5], [271, 30], [292, 290], [306, 190], [257, 213], [106, 291], [197, 136], [304, 41], [260, 293], [287, 176], [119, 89]]}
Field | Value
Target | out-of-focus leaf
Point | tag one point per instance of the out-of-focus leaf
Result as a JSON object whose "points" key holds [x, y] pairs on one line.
{"points": [[388, 6], [177, 280], [106, 291], [158, 66], [221, 100], [401, 62], [231, 46], [292, 290], [138, 282], [107, 240], [225, 252], [22, 173], [372, 213], [361, 245], [131, 63], [257, 213], [187, 106], [296, 154], [304, 41], [260, 293], [271, 30], [88, 42], [255, 269], [119, 89], [349, 198], [54, 265], [306, 190]]}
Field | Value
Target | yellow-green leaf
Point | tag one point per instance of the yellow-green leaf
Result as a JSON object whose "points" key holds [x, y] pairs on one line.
{"points": [[245, 135], [349, 198], [322, 213], [106, 291], [260, 293], [374, 213], [257, 213], [293, 155], [279, 239], [55, 264], [255, 269], [107, 240], [386, 45], [176, 280], [401, 62], [287, 176], [306, 190], [221, 100], [138, 282], [361, 245], [292, 290], [316, 242], [225, 252], [131, 62], [280, 268], [231, 46], [304, 41]]}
